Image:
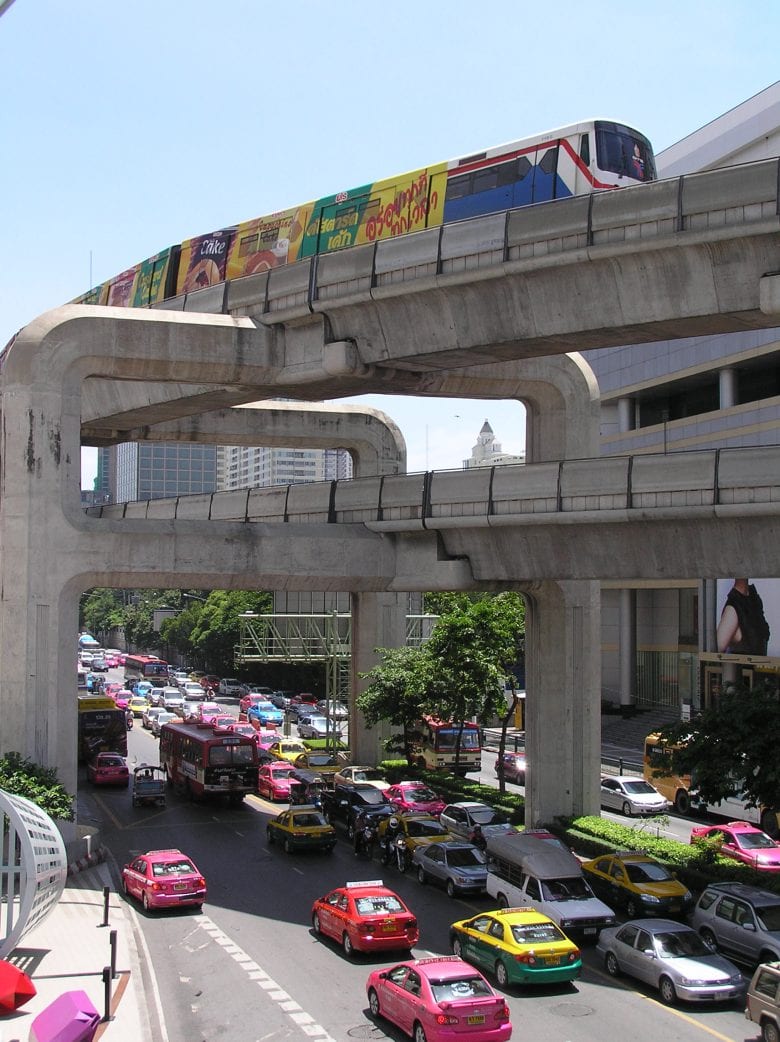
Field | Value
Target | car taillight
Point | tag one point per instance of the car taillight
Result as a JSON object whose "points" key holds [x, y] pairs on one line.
{"points": [[200, 882], [573, 956], [412, 924], [445, 1018], [502, 1013], [157, 886], [526, 957], [365, 928]]}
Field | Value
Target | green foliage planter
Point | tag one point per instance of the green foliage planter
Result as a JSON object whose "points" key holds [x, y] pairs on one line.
{"points": [[21, 777], [695, 864]]}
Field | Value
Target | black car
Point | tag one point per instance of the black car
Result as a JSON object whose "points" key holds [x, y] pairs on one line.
{"points": [[344, 803]]}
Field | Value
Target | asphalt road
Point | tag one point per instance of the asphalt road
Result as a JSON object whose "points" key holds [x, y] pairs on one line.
{"points": [[249, 968]]}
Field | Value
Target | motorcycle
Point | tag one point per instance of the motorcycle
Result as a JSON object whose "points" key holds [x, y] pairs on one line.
{"points": [[394, 849], [365, 838], [129, 720]]}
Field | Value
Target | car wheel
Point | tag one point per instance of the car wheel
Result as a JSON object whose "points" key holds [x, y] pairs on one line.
{"points": [[502, 977], [611, 964], [626, 808], [709, 939], [450, 888], [457, 947], [421, 877], [502, 901], [346, 944], [666, 988], [419, 1033], [288, 848], [316, 925], [682, 802], [145, 902], [631, 909], [373, 1003], [770, 1031]]}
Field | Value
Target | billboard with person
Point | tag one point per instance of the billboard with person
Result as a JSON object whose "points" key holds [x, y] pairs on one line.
{"points": [[748, 617]]}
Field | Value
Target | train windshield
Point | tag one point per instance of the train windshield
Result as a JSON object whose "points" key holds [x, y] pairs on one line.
{"points": [[624, 152]]}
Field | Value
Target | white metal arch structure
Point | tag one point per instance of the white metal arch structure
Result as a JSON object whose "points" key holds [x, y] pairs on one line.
{"points": [[33, 869]]}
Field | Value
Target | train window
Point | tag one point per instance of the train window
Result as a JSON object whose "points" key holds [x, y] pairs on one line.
{"points": [[507, 173], [485, 179], [585, 149], [458, 187], [549, 163], [523, 167]]}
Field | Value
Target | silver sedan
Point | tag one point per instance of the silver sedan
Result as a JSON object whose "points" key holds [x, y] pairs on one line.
{"points": [[632, 796], [672, 958]]}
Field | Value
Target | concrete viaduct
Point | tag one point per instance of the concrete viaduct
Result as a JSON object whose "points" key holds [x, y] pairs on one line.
{"points": [[490, 308]]}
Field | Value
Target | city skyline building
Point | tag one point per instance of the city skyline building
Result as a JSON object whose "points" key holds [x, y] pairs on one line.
{"points": [[487, 451]]}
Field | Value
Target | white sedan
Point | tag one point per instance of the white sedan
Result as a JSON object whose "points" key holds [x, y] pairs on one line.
{"points": [[632, 796]]}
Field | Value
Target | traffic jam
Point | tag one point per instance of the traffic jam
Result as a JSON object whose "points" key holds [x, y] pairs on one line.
{"points": [[545, 904]]}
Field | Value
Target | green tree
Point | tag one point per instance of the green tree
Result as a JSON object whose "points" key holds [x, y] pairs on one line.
{"points": [[474, 649], [396, 692], [102, 610], [22, 777], [215, 635], [731, 747]]}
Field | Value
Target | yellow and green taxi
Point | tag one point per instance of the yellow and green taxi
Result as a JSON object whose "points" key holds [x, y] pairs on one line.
{"points": [[417, 830], [287, 749], [517, 945], [639, 884], [301, 828]]}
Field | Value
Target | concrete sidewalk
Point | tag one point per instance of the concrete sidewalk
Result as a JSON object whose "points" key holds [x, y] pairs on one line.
{"points": [[68, 952]]}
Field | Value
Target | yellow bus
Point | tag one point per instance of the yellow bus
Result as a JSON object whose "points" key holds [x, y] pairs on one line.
{"points": [[680, 790]]}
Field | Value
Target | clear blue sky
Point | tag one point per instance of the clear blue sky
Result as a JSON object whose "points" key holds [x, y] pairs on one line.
{"points": [[127, 127]]}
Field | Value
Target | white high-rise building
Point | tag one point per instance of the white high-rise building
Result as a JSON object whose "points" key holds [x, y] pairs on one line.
{"points": [[487, 452], [242, 466]]}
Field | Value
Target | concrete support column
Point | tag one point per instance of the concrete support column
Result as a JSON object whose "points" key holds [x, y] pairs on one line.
{"points": [[729, 391], [627, 647], [563, 700], [378, 621], [626, 414]]}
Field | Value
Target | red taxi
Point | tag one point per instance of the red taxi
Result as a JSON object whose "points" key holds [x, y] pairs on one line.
{"points": [[164, 879], [744, 842], [439, 999], [273, 780], [365, 916], [108, 769]]}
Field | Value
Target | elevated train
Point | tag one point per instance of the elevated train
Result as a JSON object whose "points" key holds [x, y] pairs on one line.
{"points": [[578, 159]]}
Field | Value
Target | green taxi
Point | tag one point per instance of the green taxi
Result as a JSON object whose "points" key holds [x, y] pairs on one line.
{"points": [[518, 946], [301, 828]]}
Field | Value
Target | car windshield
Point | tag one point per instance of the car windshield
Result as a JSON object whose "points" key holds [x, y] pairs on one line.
{"points": [[573, 888], [639, 788], [378, 905], [486, 816], [369, 774], [460, 988], [307, 821], [425, 828], [173, 868], [536, 933], [648, 872], [421, 794], [770, 917], [754, 841], [465, 857], [373, 796], [680, 945]]}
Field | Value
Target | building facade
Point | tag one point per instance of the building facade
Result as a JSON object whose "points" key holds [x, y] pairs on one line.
{"points": [[659, 645]]}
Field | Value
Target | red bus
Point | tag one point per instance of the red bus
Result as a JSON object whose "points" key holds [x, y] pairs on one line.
{"points": [[202, 760], [438, 747], [146, 667]]}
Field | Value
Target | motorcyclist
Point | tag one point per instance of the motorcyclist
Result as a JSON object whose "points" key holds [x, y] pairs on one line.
{"points": [[365, 834], [478, 838], [129, 719], [393, 832]]}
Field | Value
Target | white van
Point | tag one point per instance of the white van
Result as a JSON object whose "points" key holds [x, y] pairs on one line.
{"points": [[539, 870]]}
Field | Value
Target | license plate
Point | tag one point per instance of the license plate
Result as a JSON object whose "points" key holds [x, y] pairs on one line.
{"points": [[388, 927], [552, 960], [476, 1019], [589, 929], [179, 886]]}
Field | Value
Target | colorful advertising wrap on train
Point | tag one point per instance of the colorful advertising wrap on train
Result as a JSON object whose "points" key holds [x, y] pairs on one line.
{"points": [[204, 260]]}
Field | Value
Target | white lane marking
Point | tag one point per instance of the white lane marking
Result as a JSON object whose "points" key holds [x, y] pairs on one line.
{"points": [[257, 974]]}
